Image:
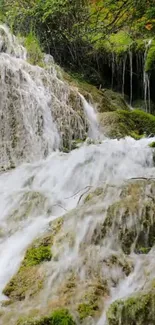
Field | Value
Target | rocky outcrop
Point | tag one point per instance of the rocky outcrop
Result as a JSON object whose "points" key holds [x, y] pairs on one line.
{"points": [[39, 112], [69, 267]]}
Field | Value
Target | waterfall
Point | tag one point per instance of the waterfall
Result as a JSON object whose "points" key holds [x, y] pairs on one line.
{"points": [[39, 112], [146, 80], [85, 189], [92, 118], [52, 184]]}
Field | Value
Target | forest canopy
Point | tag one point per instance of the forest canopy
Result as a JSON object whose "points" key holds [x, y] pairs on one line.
{"points": [[76, 31]]}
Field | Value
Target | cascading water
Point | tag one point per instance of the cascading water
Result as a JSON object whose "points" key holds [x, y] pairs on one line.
{"points": [[38, 108], [93, 131], [36, 193], [146, 80]]}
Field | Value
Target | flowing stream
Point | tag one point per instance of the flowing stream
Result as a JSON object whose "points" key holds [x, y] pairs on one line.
{"points": [[45, 187]]}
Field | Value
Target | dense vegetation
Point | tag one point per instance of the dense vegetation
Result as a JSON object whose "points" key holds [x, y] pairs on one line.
{"points": [[75, 32]]}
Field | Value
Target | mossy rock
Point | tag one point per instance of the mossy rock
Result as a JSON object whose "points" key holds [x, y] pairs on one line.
{"points": [[92, 302], [86, 310], [136, 310], [130, 220], [27, 206], [152, 144], [122, 123], [29, 279], [116, 100], [37, 255], [27, 282], [58, 317]]}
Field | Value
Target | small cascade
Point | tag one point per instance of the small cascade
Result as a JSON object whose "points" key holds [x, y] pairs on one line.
{"points": [[93, 131], [39, 112], [10, 45], [131, 75], [146, 80]]}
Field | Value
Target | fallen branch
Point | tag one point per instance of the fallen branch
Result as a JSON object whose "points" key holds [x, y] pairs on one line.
{"points": [[145, 178]]}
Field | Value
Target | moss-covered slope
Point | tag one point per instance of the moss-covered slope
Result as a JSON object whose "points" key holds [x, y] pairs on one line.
{"points": [[122, 123]]}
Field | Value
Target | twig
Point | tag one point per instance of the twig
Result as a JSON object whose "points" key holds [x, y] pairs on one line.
{"points": [[59, 205], [83, 194], [69, 197]]}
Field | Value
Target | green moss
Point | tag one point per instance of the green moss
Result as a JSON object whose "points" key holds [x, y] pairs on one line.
{"points": [[91, 304], [150, 60], [127, 123], [29, 280], [86, 310], [58, 317], [136, 136], [143, 250], [152, 144], [37, 255], [62, 317], [136, 310], [76, 143], [26, 282], [35, 55]]}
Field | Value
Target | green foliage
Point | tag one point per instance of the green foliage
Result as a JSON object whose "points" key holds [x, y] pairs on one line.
{"points": [[35, 55], [58, 317], [76, 32], [118, 43], [37, 255]]}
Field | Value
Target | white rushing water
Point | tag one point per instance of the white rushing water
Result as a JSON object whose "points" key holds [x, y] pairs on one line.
{"points": [[49, 185], [55, 181], [146, 79]]}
